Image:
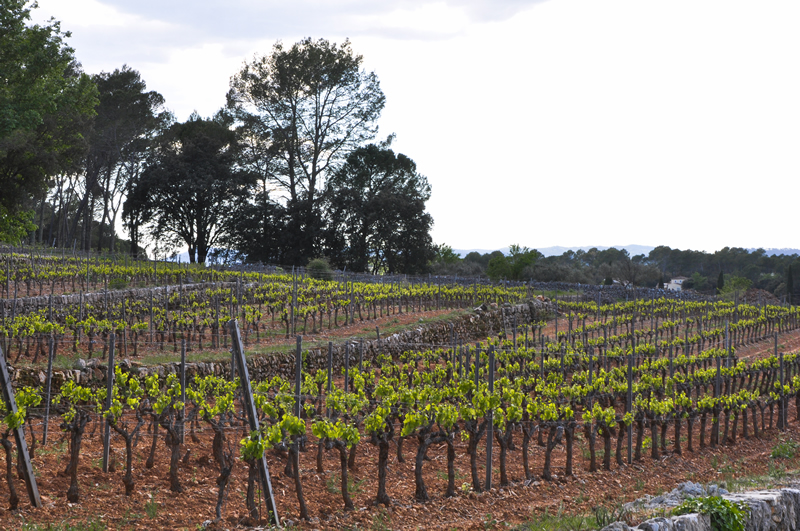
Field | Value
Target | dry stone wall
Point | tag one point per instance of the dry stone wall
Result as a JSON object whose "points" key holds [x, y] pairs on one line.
{"points": [[485, 321], [769, 510]]}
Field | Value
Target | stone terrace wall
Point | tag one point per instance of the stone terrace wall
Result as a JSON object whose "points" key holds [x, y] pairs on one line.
{"points": [[486, 321], [770, 510]]}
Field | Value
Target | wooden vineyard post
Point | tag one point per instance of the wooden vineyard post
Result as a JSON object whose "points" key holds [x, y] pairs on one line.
{"points": [[591, 368], [629, 408], [19, 435], [233, 361], [477, 363], [489, 424], [252, 417], [782, 408], [361, 356], [514, 333], [183, 390], [107, 405], [452, 345], [330, 376], [47, 385], [346, 365], [298, 370]]}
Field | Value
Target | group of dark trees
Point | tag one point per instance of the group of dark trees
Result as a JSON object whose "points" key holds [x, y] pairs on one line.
{"points": [[730, 268], [286, 172]]}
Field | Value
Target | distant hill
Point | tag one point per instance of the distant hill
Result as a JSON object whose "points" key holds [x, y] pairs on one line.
{"points": [[773, 252], [558, 250]]}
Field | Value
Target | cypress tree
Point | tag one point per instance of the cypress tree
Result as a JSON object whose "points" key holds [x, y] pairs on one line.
{"points": [[790, 284], [720, 282]]}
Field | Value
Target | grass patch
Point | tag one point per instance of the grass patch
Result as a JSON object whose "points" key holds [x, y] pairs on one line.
{"points": [[458, 476], [607, 515], [334, 484], [55, 449], [559, 521], [151, 507]]}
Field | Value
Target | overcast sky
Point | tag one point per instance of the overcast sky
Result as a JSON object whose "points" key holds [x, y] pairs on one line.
{"points": [[559, 122]]}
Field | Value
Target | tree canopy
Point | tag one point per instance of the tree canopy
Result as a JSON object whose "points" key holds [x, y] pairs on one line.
{"points": [[376, 219], [190, 185], [46, 102], [302, 110]]}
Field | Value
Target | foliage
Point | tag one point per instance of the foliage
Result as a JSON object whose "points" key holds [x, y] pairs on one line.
{"points": [[516, 266], [725, 514], [45, 106], [376, 217], [696, 282], [784, 449], [14, 227], [319, 268], [606, 516], [733, 284], [301, 110], [560, 521], [128, 117], [190, 186]]}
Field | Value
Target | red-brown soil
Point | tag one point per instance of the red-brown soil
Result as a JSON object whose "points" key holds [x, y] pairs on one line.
{"points": [[103, 494]]}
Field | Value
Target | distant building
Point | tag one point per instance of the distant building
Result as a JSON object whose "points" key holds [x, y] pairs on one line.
{"points": [[676, 284]]}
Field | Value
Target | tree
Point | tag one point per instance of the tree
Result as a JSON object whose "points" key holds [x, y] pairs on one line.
{"points": [[376, 213], [259, 230], [189, 186], [518, 265], [790, 284], [720, 281], [445, 254], [302, 110], [128, 118], [696, 282], [634, 271], [734, 284], [46, 103]]}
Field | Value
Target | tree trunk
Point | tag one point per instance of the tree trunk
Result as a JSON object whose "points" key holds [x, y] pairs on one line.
{"points": [[298, 485], [420, 492], [13, 499], [77, 427], [383, 463], [451, 470], [591, 437], [151, 458], [348, 503]]}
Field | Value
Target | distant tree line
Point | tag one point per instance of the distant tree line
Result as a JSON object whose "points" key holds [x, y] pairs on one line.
{"points": [[728, 269], [288, 171]]}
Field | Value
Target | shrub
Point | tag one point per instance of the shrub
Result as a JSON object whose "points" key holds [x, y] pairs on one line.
{"points": [[725, 514], [319, 268], [784, 449], [118, 283]]}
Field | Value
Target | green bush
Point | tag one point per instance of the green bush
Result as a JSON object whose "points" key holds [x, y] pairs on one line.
{"points": [[319, 268], [784, 449], [118, 283], [725, 514]]}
